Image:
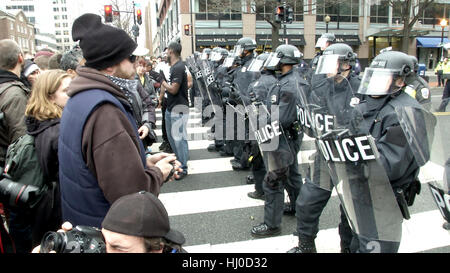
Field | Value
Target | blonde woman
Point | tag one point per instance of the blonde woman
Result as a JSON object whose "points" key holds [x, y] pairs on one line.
{"points": [[43, 113]]}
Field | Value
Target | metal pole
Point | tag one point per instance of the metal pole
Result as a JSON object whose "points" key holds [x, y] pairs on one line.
{"points": [[134, 18], [192, 27], [326, 30], [442, 43]]}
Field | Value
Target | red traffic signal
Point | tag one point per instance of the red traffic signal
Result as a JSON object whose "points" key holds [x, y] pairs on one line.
{"points": [[187, 30], [139, 16], [108, 13]]}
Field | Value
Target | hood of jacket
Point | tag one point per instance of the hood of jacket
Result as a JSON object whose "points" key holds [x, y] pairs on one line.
{"points": [[35, 127], [7, 76]]}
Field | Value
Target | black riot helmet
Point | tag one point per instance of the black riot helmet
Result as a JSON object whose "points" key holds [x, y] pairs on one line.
{"points": [[324, 39], [284, 54], [334, 57], [386, 74], [206, 53], [244, 43], [258, 62], [218, 54], [415, 63], [289, 54]]}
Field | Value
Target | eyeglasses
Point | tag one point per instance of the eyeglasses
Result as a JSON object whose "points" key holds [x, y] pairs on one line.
{"points": [[132, 58]]}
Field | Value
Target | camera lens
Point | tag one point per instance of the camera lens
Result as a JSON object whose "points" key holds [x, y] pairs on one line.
{"points": [[17, 194], [52, 241]]}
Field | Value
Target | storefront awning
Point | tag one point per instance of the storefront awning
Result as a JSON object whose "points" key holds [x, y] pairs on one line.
{"points": [[296, 40], [217, 40], [352, 40], [431, 41]]}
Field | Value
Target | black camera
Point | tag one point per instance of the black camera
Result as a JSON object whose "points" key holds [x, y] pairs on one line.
{"points": [[81, 239], [17, 194]]}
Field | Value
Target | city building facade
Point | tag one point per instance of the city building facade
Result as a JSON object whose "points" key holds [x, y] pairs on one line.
{"points": [[366, 25], [17, 27]]}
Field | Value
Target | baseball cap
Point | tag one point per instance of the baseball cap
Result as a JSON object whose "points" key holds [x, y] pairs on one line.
{"points": [[141, 214]]}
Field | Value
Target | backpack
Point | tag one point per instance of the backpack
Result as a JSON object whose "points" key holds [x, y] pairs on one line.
{"points": [[23, 173]]}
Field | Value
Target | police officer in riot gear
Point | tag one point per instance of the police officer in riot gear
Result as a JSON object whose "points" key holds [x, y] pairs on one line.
{"points": [[217, 57], [417, 87], [325, 40], [257, 92], [284, 97], [383, 88], [335, 93], [241, 79]]}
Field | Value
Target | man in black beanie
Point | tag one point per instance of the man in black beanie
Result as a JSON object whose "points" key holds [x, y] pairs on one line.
{"points": [[101, 157]]}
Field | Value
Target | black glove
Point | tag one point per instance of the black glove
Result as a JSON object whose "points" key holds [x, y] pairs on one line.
{"points": [[273, 178]]}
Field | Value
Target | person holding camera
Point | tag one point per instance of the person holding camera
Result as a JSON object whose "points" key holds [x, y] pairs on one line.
{"points": [[135, 223], [14, 95], [101, 156]]}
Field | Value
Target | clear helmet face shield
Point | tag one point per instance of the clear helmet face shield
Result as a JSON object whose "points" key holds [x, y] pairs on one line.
{"points": [[230, 60], [256, 65], [204, 56], [215, 56], [238, 50], [322, 43], [381, 81], [272, 61], [328, 64]]}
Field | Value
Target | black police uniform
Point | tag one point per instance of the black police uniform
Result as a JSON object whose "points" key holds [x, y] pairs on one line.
{"points": [[242, 79], [284, 93], [258, 91], [312, 199], [418, 88], [396, 156]]}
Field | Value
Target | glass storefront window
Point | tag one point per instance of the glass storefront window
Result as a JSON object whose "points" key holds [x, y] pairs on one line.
{"points": [[339, 11]]}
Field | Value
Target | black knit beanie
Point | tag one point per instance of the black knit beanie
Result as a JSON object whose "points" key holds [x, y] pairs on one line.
{"points": [[103, 45]]}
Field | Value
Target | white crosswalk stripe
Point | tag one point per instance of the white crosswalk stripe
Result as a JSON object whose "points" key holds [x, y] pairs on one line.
{"points": [[211, 194]]}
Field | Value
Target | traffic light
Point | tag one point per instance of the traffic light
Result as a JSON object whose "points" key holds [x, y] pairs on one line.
{"points": [[279, 14], [187, 30], [139, 16], [289, 15], [135, 30], [108, 14]]}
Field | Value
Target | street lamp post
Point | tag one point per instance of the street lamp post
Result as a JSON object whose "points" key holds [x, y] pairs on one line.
{"points": [[443, 25], [327, 20]]}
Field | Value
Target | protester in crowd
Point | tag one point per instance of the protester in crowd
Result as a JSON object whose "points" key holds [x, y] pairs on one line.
{"points": [[101, 157], [30, 73], [54, 61], [177, 112], [137, 223], [13, 100], [146, 117], [43, 114], [163, 68], [43, 62], [143, 77], [71, 60], [44, 51]]}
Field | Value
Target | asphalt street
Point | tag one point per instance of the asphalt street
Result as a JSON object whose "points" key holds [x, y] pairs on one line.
{"points": [[210, 206]]}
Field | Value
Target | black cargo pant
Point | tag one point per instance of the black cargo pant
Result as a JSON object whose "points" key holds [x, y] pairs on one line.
{"points": [[274, 195], [310, 204]]}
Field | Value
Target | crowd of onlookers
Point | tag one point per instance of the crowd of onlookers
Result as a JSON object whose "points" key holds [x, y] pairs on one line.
{"points": [[92, 156]]}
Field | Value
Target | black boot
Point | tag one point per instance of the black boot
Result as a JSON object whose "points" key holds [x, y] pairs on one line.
{"points": [[305, 245]]}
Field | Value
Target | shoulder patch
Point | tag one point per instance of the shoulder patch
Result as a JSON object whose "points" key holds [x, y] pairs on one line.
{"points": [[273, 99], [425, 93]]}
